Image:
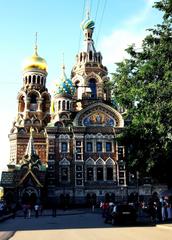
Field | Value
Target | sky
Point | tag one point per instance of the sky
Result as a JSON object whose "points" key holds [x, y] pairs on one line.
{"points": [[118, 23]]}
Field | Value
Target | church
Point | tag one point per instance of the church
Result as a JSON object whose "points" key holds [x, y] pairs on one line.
{"points": [[64, 146]]}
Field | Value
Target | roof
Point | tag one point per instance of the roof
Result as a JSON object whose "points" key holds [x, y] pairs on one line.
{"points": [[34, 177]]}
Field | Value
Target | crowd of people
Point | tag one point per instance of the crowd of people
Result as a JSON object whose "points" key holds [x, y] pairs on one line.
{"points": [[28, 209], [157, 209], [160, 209]]}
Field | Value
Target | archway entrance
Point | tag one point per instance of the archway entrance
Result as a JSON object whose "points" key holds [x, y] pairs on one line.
{"points": [[29, 196], [65, 200], [91, 199]]}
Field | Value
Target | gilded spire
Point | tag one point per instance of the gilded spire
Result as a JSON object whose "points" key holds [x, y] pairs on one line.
{"points": [[30, 150], [88, 10], [63, 74], [36, 44], [63, 65]]}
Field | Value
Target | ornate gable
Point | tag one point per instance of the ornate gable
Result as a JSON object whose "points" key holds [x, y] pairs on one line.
{"points": [[99, 114], [64, 162]]}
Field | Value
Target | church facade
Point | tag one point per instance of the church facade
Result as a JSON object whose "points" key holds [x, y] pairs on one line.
{"points": [[71, 134]]}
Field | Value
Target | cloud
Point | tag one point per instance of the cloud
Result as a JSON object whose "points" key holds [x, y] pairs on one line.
{"points": [[142, 15], [150, 2], [113, 46]]}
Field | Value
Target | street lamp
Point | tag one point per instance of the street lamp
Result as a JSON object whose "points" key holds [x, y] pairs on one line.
{"points": [[1, 192], [137, 184]]}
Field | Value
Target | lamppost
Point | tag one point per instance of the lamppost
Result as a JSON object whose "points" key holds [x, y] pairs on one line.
{"points": [[1, 192], [137, 184]]}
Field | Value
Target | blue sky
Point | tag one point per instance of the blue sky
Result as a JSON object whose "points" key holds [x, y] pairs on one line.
{"points": [[118, 23]]}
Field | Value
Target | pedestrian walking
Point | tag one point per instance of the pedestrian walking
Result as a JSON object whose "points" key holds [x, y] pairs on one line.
{"points": [[28, 210], [153, 210], [164, 209], [36, 208]]}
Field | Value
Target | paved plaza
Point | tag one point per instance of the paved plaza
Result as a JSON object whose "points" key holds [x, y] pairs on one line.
{"points": [[78, 225]]}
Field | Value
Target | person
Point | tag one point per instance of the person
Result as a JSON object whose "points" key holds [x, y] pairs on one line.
{"points": [[152, 210], [36, 207], [158, 204], [28, 210], [108, 215], [105, 208], [92, 208], [41, 209], [164, 209]]}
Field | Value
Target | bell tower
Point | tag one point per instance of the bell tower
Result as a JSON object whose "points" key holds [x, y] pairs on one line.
{"points": [[33, 108], [89, 76]]}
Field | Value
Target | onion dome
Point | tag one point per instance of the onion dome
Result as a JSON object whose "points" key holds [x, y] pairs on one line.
{"points": [[65, 86], [87, 24], [35, 62]]}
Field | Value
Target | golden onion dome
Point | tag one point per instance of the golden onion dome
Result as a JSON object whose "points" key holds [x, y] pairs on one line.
{"points": [[35, 62]]}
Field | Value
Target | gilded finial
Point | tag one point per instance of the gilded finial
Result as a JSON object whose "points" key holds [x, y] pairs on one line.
{"points": [[36, 44], [63, 65], [88, 10], [31, 131]]}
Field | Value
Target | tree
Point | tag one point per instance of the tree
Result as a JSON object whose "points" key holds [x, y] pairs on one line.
{"points": [[143, 85]]}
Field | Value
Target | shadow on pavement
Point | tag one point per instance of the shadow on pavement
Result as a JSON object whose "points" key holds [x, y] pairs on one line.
{"points": [[64, 220]]}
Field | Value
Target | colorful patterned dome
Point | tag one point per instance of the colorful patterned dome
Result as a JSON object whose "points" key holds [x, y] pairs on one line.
{"points": [[87, 24], [65, 85]]}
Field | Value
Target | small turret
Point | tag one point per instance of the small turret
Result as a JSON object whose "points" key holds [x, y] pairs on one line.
{"points": [[62, 100]]}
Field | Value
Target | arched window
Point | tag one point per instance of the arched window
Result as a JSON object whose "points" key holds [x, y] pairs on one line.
{"points": [[29, 79], [63, 105], [80, 57], [64, 173], [109, 173], [33, 102], [92, 85], [21, 104], [67, 105], [38, 80], [100, 169], [34, 79], [42, 80], [90, 173], [64, 170], [59, 105], [99, 173], [90, 55], [33, 98]]}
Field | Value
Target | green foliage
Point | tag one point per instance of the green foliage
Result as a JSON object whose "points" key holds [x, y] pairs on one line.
{"points": [[143, 85]]}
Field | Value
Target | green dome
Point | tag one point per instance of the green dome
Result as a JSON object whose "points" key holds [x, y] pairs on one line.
{"points": [[87, 24]]}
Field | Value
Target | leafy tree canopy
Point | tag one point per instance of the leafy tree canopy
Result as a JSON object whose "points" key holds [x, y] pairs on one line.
{"points": [[143, 86]]}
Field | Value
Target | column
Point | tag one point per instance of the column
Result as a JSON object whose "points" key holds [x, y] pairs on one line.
{"points": [[39, 102]]}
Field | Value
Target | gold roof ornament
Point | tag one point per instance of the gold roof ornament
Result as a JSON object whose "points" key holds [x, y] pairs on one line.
{"points": [[35, 61]]}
